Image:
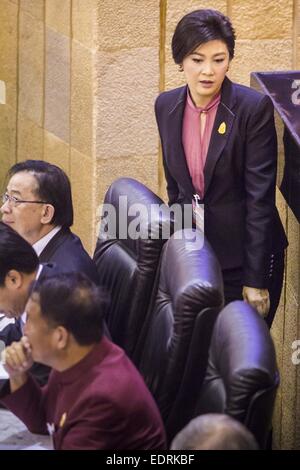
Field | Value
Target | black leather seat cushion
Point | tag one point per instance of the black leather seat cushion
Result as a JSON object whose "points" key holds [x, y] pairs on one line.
{"points": [[242, 375]]}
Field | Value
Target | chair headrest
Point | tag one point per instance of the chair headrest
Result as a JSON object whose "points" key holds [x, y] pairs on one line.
{"points": [[242, 342], [191, 271], [136, 216]]}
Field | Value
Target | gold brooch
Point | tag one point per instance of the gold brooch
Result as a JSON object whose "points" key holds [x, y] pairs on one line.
{"points": [[63, 420], [222, 128]]}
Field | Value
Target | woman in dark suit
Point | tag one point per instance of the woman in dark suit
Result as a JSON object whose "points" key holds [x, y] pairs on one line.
{"points": [[220, 149]]}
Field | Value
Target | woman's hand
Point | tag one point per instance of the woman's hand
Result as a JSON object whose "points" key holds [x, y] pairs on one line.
{"points": [[17, 359], [258, 298]]}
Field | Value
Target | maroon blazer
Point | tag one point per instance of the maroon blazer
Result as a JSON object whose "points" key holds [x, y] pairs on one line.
{"points": [[241, 220], [100, 403]]}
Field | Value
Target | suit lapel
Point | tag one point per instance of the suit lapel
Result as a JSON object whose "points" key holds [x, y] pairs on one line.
{"points": [[178, 161], [220, 132], [52, 246], [49, 269]]}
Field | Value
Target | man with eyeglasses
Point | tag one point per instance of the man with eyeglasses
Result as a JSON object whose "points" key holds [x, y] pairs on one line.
{"points": [[38, 205]]}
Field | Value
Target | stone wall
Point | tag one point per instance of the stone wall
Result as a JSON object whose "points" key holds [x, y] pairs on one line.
{"points": [[81, 77], [47, 66], [126, 84]]}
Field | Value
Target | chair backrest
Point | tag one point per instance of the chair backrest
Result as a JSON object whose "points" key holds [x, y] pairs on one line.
{"points": [[135, 225], [188, 297], [242, 375]]}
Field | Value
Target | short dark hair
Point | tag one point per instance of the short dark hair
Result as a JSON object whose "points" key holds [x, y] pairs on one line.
{"points": [[214, 431], [15, 253], [73, 301], [198, 27], [53, 187]]}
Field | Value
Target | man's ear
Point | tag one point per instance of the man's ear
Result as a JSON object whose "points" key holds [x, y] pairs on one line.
{"points": [[47, 214], [61, 336], [13, 279]]}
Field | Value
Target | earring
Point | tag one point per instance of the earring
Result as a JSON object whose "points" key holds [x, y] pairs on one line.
{"points": [[180, 68]]}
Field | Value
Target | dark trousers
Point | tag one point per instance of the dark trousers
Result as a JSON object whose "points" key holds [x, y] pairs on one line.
{"points": [[233, 284]]}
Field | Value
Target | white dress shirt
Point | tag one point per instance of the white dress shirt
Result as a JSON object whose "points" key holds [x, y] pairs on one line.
{"points": [[43, 242]]}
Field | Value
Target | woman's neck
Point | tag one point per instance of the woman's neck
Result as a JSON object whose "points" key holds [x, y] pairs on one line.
{"points": [[202, 101]]}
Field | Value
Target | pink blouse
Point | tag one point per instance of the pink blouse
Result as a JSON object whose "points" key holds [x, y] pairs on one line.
{"points": [[196, 134]]}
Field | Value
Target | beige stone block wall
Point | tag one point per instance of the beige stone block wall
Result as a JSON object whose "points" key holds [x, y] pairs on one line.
{"points": [[127, 68], [262, 20], [57, 84], [58, 16], [35, 8], [31, 67], [82, 100], [127, 25], [260, 55], [8, 49], [83, 181], [56, 151], [126, 124], [84, 15], [30, 139], [46, 49], [8, 74], [7, 142], [82, 121]]}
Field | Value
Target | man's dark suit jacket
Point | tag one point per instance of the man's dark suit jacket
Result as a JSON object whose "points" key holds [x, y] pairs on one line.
{"points": [[13, 332], [241, 220], [66, 250]]}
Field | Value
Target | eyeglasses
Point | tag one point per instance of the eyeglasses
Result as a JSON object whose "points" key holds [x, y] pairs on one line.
{"points": [[14, 201]]}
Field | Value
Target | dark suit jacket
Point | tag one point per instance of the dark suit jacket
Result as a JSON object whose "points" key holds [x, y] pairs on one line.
{"points": [[13, 331], [66, 250], [241, 221]]}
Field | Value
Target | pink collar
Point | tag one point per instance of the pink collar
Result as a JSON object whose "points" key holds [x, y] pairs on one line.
{"points": [[214, 102]]}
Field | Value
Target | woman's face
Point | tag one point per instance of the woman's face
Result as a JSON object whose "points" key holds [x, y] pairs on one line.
{"points": [[205, 69]]}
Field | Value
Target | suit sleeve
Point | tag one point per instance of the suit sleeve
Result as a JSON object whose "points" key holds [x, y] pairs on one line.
{"points": [[27, 403], [172, 187], [260, 185]]}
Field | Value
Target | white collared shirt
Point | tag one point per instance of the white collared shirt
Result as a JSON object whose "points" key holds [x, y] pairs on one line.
{"points": [[43, 242]]}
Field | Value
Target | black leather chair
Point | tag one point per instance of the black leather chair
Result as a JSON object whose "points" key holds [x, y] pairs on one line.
{"points": [[127, 266], [177, 333], [242, 376]]}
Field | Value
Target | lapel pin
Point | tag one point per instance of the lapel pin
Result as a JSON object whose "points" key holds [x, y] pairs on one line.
{"points": [[62, 420], [222, 128]]}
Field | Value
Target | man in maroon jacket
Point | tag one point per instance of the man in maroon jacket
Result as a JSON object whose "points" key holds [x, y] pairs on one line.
{"points": [[95, 398]]}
